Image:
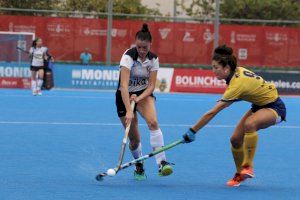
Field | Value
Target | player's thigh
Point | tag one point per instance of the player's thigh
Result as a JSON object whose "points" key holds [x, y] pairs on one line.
{"points": [[33, 74], [238, 133], [41, 73], [261, 119], [146, 108]]}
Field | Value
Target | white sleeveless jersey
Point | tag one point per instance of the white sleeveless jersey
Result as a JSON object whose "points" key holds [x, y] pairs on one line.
{"points": [[139, 71], [38, 56]]}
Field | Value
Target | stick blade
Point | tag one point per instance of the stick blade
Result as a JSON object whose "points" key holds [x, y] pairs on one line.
{"points": [[99, 177]]}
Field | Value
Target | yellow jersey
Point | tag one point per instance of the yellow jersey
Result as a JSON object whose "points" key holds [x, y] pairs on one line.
{"points": [[246, 85]]}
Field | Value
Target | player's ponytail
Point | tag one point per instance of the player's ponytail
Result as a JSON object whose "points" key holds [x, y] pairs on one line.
{"points": [[224, 56], [144, 34], [34, 42]]}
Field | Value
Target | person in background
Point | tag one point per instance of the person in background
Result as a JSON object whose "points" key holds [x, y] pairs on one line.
{"points": [[38, 54], [85, 57]]}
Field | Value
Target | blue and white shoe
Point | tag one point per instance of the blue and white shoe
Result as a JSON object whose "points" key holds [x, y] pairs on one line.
{"points": [[139, 172]]}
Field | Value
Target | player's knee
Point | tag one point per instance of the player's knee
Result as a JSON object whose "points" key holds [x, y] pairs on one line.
{"points": [[152, 124], [249, 126], [236, 142]]}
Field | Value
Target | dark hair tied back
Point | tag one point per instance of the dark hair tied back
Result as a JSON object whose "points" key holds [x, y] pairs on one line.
{"points": [[145, 28], [224, 55], [144, 34], [224, 50], [34, 42]]}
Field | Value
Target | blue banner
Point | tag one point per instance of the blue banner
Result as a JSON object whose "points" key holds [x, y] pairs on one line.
{"points": [[86, 77], [14, 70]]}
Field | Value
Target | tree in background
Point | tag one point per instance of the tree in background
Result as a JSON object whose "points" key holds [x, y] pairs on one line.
{"points": [[29, 4], [85, 5], [133, 7], [119, 6], [246, 9], [257, 9], [92, 6]]}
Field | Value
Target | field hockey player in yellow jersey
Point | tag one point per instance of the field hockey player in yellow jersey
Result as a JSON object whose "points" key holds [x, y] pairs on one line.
{"points": [[267, 110]]}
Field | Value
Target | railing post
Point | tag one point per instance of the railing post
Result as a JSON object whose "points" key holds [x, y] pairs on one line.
{"points": [[109, 28]]}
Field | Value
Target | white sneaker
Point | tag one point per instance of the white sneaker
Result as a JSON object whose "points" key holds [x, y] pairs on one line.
{"points": [[39, 92], [34, 93]]}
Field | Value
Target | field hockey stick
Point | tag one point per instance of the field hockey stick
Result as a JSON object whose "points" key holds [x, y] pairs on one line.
{"points": [[99, 177], [124, 141], [23, 50]]}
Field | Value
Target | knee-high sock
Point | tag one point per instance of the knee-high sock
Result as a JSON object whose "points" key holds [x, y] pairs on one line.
{"points": [[33, 85], [250, 142], [136, 153], [238, 157], [157, 141], [39, 83]]}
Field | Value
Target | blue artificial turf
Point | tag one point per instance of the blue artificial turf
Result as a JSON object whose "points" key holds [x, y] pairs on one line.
{"points": [[52, 146]]}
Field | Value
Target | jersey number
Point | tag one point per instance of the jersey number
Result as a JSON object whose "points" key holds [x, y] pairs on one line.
{"points": [[253, 75]]}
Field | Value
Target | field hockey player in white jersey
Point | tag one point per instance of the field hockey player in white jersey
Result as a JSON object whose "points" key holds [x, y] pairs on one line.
{"points": [[38, 54], [138, 73]]}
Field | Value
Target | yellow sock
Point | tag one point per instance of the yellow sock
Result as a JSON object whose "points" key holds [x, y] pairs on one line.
{"points": [[250, 142], [238, 157]]}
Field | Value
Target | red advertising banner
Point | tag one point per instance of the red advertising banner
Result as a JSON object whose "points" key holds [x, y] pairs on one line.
{"points": [[180, 43], [196, 80], [263, 46], [14, 82]]}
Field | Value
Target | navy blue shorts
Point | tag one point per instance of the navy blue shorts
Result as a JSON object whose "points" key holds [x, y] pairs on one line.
{"points": [[277, 106], [120, 105]]}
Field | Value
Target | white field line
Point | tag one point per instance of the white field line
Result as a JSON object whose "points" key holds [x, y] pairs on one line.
{"points": [[177, 97], [119, 124]]}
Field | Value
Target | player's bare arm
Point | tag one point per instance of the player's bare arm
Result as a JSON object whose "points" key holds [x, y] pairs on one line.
{"points": [[210, 115], [125, 74]]}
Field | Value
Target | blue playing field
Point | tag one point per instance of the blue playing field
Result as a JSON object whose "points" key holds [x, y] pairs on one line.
{"points": [[52, 146]]}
